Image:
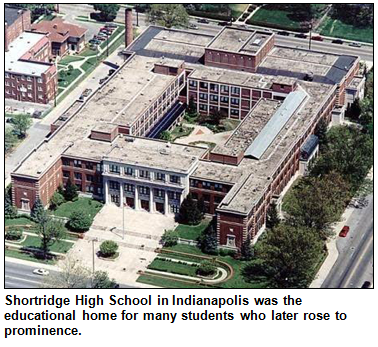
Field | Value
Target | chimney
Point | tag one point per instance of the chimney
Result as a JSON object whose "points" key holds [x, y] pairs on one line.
{"points": [[129, 36]]}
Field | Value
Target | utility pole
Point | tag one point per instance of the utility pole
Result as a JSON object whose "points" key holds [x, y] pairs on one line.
{"points": [[309, 38], [107, 44], [93, 261]]}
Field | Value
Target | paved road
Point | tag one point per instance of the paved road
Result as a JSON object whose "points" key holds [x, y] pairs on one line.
{"points": [[21, 276], [354, 265]]}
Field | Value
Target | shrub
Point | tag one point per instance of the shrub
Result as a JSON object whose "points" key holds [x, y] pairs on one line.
{"points": [[79, 221], [169, 238], [108, 248], [56, 200], [227, 252], [70, 193], [206, 269], [37, 211], [13, 235]]}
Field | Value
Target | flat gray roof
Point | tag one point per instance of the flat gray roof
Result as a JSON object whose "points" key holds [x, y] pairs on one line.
{"points": [[17, 49]]}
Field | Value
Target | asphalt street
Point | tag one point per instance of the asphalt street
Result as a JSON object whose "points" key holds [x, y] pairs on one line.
{"points": [[354, 265], [21, 276]]}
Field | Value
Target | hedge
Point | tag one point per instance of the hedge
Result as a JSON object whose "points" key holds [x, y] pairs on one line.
{"points": [[276, 26]]}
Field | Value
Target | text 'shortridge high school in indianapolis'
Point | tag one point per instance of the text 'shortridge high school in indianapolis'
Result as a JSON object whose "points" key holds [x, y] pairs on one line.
{"points": [[105, 144]]}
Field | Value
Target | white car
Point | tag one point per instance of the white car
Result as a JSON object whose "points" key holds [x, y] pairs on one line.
{"points": [[41, 272], [355, 44]]}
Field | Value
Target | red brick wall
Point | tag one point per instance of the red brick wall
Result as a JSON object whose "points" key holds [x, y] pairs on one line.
{"points": [[21, 24], [24, 188]]}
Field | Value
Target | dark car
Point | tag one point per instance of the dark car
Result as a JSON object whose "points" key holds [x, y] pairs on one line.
{"points": [[366, 284], [317, 38], [301, 36], [224, 23], [283, 33], [37, 114], [338, 41], [111, 25], [203, 21], [344, 231], [94, 42], [102, 80]]}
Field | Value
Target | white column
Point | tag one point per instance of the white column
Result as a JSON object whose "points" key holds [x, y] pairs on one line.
{"points": [[152, 204], [136, 198], [166, 206], [121, 194], [106, 191]]}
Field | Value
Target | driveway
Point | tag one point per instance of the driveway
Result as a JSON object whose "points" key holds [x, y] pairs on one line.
{"points": [[143, 231]]}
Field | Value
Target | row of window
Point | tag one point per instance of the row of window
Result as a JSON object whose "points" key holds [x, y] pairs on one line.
{"points": [[22, 87], [22, 78], [207, 185], [158, 176], [215, 87], [8, 92], [130, 188], [206, 198], [79, 164]]}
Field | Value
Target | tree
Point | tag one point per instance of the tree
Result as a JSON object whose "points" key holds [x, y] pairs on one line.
{"points": [[21, 123], [38, 211], [10, 211], [201, 206], [80, 221], [108, 12], [321, 132], [286, 257], [192, 108], [56, 200], [101, 280], [215, 117], [318, 202], [355, 109], [169, 238], [10, 139], [71, 274], [246, 249], [168, 15], [108, 248], [70, 192], [189, 212], [208, 241], [166, 136], [272, 217], [206, 268], [50, 231]]}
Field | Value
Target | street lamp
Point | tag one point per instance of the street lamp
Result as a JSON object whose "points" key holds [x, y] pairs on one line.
{"points": [[107, 44]]}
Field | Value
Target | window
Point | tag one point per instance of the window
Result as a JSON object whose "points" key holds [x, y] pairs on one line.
{"points": [[159, 193], [29, 87], [129, 171], [203, 96], [224, 99], [160, 176], [206, 197], [225, 89], [206, 185], [203, 107], [192, 83], [29, 79], [144, 190], [235, 112], [99, 191], [130, 188], [77, 163], [214, 87], [40, 89], [174, 179], [174, 195], [114, 169], [144, 174], [6, 75], [218, 186], [214, 98], [98, 167], [235, 90], [89, 166], [66, 174], [235, 101], [78, 176], [113, 185], [66, 162], [89, 189], [231, 240], [175, 209], [194, 196], [203, 85], [89, 178]]}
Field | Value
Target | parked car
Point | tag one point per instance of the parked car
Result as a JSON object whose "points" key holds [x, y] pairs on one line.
{"points": [[86, 92], [193, 26], [100, 38], [102, 34], [366, 284], [94, 42], [225, 23], [301, 36], [41, 272], [338, 41], [316, 38], [203, 21], [355, 44], [283, 33], [105, 31], [111, 25], [344, 231], [37, 114]]}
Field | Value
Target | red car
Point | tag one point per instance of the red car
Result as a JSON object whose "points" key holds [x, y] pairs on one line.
{"points": [[317, 38], [344, 231]]}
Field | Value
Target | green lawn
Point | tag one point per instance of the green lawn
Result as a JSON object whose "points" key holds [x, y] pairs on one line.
{"points": [[70, 59], [87, 205], [90, 63], [180, 131], [18, 221], [336, 28], [173, 267], [191, 232], [274, 17], [26, 256], [87, 52], [66, 81], [35, 242], [238, 9]]}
